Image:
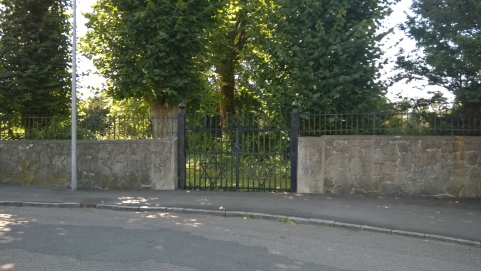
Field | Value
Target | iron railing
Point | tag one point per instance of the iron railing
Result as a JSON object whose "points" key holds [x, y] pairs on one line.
{"points": [[142, 127], [398, 123], [246, 152], [88, 127]]}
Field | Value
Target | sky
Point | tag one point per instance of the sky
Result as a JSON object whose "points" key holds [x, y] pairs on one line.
{"points": [[398, 16]]}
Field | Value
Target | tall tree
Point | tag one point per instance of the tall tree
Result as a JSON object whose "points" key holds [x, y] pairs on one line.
{"points": [[237, 30], [151, 50], [323, 54], [34, 57], [448, 53]]}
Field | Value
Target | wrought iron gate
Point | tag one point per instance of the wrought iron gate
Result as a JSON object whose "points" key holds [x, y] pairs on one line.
{"points": [[245, 153]]}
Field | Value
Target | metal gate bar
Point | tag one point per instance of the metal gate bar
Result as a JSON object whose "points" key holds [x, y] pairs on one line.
{"points": [[246, 153]]}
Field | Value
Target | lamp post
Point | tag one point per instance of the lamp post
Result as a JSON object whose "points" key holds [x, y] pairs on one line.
{"points": [[73, 183]]}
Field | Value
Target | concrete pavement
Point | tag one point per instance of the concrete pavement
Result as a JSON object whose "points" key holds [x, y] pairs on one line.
{"points": [[444, 219]]}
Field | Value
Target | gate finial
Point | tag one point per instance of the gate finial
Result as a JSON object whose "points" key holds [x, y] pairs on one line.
{"points": [[182, 106]]}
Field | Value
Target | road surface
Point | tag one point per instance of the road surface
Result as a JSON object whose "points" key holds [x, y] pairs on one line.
{"points": [[92, 239]]}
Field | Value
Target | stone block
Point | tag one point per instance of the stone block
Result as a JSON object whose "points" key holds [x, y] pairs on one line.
{"points": [[472, 158], [473, 183], [355, 166], [340, 146], [41, 204], [321, 222], [128, 208], [390, 152], [389, 188], [299, 220], [405, 162], [152, 209], [414, 147], [377, 155], [448, 147], [119, 170], [10, 203], [236, 214], [338, 160], [163, 168], [83, 163], [69, 205], [386, 169], [473, 146], [348, 226], [329, 184], [454, 187], [375, 229], [413, 188], [369, 184], [96, 165], [107, 206], [430, 143], [343, 188], [452, 240], [310, 175], [205, 212], [434, 186], [379, 143], [408, 233], [355, 152], [135, 163], [403, 147], [459, 145]]}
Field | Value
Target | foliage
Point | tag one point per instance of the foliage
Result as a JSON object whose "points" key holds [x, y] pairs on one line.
{"points": [[34, 57], [448, 53], [436, 103], [250, 56], [151, 50], [322, 55], [59, 129]]}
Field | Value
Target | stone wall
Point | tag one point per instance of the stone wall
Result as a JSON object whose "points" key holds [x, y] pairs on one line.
{"points": [[101, 164], [390, 165]]}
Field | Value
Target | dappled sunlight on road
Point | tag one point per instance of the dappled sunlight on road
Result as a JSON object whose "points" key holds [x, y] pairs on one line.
{"points": [[204, 201], [7, 266], [164, 215], [295, 266], [177, 220], [135, 200], [292, 196], [6, 223], [190, 223]]}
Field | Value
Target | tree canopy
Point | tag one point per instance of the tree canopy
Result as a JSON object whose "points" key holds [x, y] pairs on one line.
{"points": [[34, 57], [152, 50], [324, 55], [448, 53], [249, 55]]}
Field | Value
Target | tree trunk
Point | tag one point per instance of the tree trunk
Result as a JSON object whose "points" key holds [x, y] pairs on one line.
{"points": [[164, 120], [226, 68], [227, 90]]}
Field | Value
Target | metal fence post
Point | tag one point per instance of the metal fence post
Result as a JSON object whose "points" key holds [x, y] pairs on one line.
{"points": [[181, 117], [294, 146]]}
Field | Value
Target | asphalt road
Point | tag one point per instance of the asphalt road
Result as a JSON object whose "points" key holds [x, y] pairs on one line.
{"points": [[90, 239]]}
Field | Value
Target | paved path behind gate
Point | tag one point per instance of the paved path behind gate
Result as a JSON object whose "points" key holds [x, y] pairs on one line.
{"points": [[445, 217]]}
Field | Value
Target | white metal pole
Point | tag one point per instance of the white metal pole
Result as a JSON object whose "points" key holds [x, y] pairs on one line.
{"points": [[74, 100]]}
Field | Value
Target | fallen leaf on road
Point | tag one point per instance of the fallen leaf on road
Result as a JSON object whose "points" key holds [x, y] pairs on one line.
{"points": [[221, 207], [187, 191]]}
